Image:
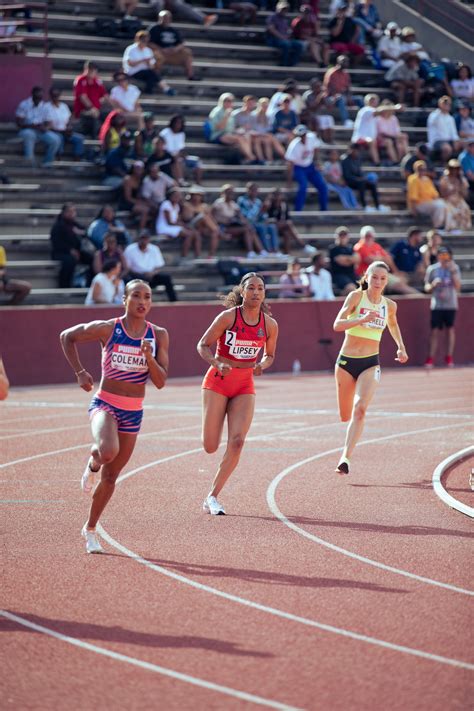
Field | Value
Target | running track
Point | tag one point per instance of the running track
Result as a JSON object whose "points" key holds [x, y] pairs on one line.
{"points": [[315, 592]]}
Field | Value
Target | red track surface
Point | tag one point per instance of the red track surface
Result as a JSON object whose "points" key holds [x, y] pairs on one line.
{"points": [[255, 601]]}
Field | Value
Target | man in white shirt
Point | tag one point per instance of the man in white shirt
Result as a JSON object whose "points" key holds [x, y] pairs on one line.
{"points": [[155, 186], [365, 126], [144, 261], [59, 116], [443, 135], [389, 46], [300, 160], [32, 119], [124, 97], [139, 62], [318, 279]]}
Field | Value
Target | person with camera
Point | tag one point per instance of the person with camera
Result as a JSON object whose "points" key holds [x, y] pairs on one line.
{"points": [[443, 282]]}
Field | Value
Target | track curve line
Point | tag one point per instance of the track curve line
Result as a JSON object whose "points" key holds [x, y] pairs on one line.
{"points": [[438, 487], [116, 656], [271, 492]]}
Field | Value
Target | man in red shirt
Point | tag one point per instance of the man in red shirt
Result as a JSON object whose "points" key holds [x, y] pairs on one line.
{"points": [[89, 96], [305, 27], [370, 251]]}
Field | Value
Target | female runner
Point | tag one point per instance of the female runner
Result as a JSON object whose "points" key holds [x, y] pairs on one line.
{"points": [[228, 387], [365, 314], [132, 350]]}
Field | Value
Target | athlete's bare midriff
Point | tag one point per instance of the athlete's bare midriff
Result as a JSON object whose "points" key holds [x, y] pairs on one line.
{"points": [[359, 347], [118, 387], [235, 363]]}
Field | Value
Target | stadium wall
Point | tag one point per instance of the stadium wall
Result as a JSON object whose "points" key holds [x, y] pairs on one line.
{"points": [[29, 337]]}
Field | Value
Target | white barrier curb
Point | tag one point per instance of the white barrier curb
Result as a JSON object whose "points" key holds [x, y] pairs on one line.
{"points": [[439, 488]]}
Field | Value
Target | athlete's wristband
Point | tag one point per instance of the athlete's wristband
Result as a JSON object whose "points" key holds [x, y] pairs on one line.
{"points": [[79, 372]]}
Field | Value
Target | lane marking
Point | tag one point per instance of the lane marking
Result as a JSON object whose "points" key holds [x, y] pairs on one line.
{"points": [[33, 501], [438, 487], [195, 681]]}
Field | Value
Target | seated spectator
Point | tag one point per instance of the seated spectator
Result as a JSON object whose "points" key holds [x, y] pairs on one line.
{"points": [[305, 28], [466, 158], [443, 282], [269, 143], [174, 137], [422, 196], [185, 12], [389, 46], [232, 223], [110, 250], [365, 127], [356, 179], [90, 97], [107, 223], [116, 167], [32, 118], [429, 250], [454, 190], [144, 138], [367, 17], [168, 45], [155, 187], [107, 287], [285, 122], [222, 124], [344, 35], [288, 88], [17, 289], [131, 198], [463, 86], [332, 172], [421, 152], [408, 258], [144, 261], [198, 216], [343, 261], [337, 87], [161, 157], [139, 63], [279, 36], [245, 13], [319, 109], [404, 77], [126, 8], [170, 224], [369, 250], [410, 45], [59, 117], [464, 122], [300, 156], [279, 212], [111, 130], [254, 211], [292, 285], [443, 137], [11, 43], [124, 97], [336, 5], [67, 245], [389, 133], [245, 123], [318, 280]]}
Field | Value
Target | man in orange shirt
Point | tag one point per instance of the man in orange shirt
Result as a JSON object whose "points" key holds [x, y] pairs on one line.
{"points": [[422, 196], [370, 251]]}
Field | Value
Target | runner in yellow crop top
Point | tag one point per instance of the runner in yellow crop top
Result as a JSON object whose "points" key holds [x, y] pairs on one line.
{"points": [[364, 316]]}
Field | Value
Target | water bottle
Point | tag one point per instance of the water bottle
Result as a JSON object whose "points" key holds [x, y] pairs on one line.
{"points": [[296, 369]]}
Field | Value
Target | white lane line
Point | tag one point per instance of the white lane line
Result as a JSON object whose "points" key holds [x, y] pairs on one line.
{"points": [[281, 613], [116, 656], [32, 501], [271, 492], [439, 488]]}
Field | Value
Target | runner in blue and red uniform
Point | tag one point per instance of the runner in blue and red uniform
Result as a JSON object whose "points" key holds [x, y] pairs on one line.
{"points": [[132, 350], [241, 332]]}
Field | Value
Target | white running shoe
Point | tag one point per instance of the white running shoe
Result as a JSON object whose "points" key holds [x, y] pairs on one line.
{"points": [[88, 478], [212, 506], [92, 541], [348, 123], [385, 208], [309, 249], [251, 254]]}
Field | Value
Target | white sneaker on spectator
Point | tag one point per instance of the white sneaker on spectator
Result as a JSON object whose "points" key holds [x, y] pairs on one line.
{"points": [[263, 253], [309, 249], [349, 123], [280, 255], [88, 478], [385, 208], [370, 208], [251, 254], [92, 540], [213, 507]]}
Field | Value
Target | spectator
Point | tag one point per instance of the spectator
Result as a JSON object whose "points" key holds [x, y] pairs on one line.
{"points": [[389, 46], [410, 45], [288, 88], [161, 157], [332, 172], [111, 130], [279, 212], [222, 128], [245, 123], [144, 261], [422, 196], [356, 179], [454, 189], [318, 280], [337, 87], [429, 251], [466, 158], [199, 217], [464, 122], [245, 13], [168, 45], [300, 158], [422, 153], [292, 285], [254, 211], [17, 289], [32, 118], [443, 282], [344, 35], [126, 8], [125, 98], [305, 28], [365, 127], [106, 222], [185, 12], [463, 86], [343, 261], [59, 118], [67, 245], [107, 287], [443, 136], [139, 63], [144, 138], [336, 5], [369, 250], [232, 223], [155, 187], [404, 77], [90, 96], [318, 108], [389, 133], [285, 122], [366, 16], [110, 250], [131, 197], [170, 224], [408, 259], [279, 36], [116, 167], [263, 131], [174, 137]]}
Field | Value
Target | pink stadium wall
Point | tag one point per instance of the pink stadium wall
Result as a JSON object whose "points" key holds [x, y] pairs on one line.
{"points": [[18, 75], [30, 347]]}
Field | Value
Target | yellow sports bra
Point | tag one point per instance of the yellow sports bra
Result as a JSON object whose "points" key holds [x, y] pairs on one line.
{"points": [[372, 329]]}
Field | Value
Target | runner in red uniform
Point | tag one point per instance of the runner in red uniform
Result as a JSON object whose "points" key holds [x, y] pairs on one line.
{"points": [[228, 387]]}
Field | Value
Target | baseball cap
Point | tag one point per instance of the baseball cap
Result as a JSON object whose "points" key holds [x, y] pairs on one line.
{"points": [[300, 130], [392, 26]]}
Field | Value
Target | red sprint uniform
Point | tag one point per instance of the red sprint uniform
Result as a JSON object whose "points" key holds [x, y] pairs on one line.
{"points": [[240, 343]]}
